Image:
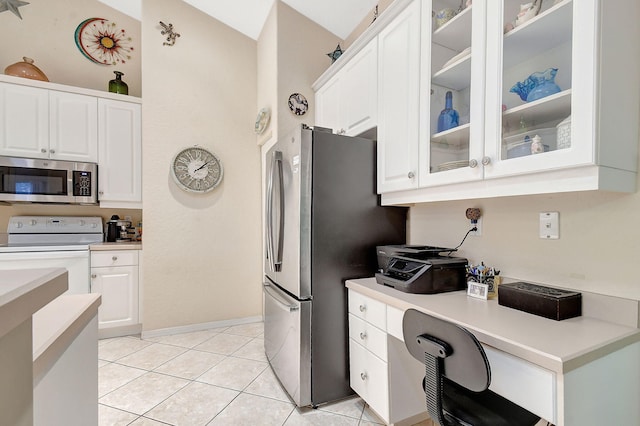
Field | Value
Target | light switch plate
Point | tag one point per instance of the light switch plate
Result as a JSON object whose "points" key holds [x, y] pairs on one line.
{"points": [[550, 225]]}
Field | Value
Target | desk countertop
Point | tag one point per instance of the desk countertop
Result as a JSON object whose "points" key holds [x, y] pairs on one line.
{"points": [[560, 346]]}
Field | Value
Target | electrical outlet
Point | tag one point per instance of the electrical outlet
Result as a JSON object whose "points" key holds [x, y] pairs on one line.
{"points": [[478, 225]]}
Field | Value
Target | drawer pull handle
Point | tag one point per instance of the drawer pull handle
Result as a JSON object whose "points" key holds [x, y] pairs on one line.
{"points": [[363, 335], [363, 308], [114, 258], [363, 376]]}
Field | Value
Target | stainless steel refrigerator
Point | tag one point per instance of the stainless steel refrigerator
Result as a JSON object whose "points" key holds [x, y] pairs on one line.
{"points": [[323, 221]]}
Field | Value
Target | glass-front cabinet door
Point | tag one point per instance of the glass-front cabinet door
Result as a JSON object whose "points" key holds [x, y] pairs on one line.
{"points": [[539, 81], [452, 91]]}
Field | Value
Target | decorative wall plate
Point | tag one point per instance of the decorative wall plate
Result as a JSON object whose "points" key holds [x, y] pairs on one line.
{"points": [[262, 120], [101, 42], [298, 104], [195, 169]]}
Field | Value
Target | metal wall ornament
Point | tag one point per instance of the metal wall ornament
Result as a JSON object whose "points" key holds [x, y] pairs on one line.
{"points": [[171, 35], [101, 42], [335, 54], [12, 6]]}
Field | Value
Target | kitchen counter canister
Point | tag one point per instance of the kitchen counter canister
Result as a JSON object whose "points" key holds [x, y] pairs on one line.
{"points": [[559, 346]]}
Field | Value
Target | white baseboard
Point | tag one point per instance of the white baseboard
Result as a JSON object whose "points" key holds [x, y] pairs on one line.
{"points": [[199, 327]]}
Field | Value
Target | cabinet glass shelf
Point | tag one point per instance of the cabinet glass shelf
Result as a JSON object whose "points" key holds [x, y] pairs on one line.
{"points": [[550, 108], [458, 136], [456, 76], [456, 33], [546, 31]]}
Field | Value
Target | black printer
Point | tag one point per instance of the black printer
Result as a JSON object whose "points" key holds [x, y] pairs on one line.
{"points": [[420, 269]]}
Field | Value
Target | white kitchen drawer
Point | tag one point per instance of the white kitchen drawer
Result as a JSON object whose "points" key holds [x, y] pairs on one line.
{"points": [[369, 378], [394, 322], [524, 383], [114, 258], [372, 338], [368, 309]]}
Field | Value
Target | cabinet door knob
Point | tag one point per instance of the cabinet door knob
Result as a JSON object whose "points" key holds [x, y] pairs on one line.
{"points": [[486, 161], [363, 376], [53, 151], [114, 258], [93, 276], [363, 335], [363, 308], [101, 192], [44, 151], [473, 163], [411, 175]]}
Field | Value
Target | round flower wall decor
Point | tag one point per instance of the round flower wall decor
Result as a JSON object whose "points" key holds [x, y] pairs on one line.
{"points": [[102, 42]]}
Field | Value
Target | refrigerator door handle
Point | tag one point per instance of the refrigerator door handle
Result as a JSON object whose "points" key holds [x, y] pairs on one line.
{"points": [[269, 218], [282, 302], [277, 158]]}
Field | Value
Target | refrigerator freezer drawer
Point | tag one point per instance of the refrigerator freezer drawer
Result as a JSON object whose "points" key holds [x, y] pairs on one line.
{"points": [[287, 342]]}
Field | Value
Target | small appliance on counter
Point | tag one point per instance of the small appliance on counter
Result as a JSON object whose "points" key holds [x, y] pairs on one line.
{"points": [[119, 230], [420, 269]]}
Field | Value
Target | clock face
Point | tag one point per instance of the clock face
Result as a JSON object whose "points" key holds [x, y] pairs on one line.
{"points": [[298, 104], [196, 170]]}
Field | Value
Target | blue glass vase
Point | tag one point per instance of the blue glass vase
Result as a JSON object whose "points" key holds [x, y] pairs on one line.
{"points": [[537, 85], [449, 117]]}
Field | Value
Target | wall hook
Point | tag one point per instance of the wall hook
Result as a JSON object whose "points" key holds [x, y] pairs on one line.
{"points": [[171, 36]]}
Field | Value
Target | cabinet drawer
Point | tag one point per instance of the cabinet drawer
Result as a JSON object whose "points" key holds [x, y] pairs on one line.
{"points": [[369, 378], [368, 309], [524, 383], [114, 258], [372, 338]]}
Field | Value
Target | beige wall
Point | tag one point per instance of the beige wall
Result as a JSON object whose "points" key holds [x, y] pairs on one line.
{"points": [[302, 49], [597, 250], [202, 252], [46, 34], [382, 5], [268, 73]]}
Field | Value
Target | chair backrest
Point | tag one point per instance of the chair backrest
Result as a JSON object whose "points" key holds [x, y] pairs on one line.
{"points": [[467, 365]]}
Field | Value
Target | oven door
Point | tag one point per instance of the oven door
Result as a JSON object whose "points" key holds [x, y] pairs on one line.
{"points": [[287, 342], [76, 262]]}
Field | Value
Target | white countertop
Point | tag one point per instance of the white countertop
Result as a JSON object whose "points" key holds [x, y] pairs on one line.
{"points": [[560, 346], [23, 292], [133, 245]]}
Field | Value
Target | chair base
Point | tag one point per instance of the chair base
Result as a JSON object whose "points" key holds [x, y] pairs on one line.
{"points": [[487, 408]]}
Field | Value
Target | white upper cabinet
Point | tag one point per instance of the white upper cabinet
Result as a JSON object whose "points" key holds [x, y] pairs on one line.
{"points": [[399, 100], [41, 123], [24, 115], [347, 103], [73, 127], [572, 127], [120, 154], [452, 70]]}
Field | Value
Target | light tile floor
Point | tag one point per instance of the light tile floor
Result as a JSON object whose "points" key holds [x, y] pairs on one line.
{"points": [[213, 377]]}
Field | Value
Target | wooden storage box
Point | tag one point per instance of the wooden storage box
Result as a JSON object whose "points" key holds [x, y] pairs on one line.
{"points": [[539, 300]]}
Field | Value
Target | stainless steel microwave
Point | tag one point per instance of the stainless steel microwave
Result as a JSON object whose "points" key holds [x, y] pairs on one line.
{"points": [[48, 181]]}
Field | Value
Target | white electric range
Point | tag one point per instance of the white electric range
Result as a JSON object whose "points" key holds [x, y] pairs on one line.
{"points": [[52, 242]]}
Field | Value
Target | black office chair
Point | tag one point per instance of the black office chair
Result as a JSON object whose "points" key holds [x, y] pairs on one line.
{"points": [[457, 375]]}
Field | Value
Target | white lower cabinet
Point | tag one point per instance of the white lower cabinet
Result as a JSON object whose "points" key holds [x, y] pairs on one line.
{"points": [[114, 274], [382, 371]]}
